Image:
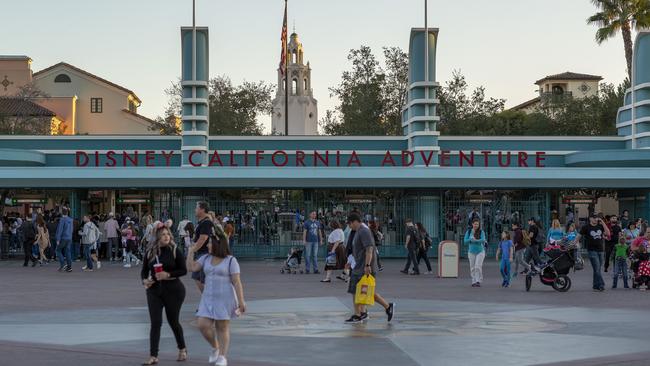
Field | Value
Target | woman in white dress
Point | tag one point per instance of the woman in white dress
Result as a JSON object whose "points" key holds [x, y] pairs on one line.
{"points": [[223, 297]]}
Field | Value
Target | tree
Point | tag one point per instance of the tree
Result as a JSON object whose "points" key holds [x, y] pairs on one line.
{"points": [[394, 88], [27, 120], [463, 113], [623, 16], [234, 110], [371, 98]]}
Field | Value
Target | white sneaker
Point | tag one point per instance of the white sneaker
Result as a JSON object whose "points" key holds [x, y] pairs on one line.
{"points": [[127, 266], [214, 356], [99, 264], [221, 361], [84, 268]]}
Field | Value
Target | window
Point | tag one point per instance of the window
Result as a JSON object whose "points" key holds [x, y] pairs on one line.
{"points": [[133, 107], [294, 89], [306, 84], [62, 78], [96, 105]]}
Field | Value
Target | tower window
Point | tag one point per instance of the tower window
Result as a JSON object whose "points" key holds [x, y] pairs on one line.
{"points": [[62, 78], [306, 84], [294, 89], [96, 105]]}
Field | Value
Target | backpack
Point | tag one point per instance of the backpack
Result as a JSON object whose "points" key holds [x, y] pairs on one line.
{"points": [[525, 238], [93, 234]]}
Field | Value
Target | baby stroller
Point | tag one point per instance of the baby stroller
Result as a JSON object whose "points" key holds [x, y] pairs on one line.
{"points": [[293, 263], [640, 269], [554, 273]]}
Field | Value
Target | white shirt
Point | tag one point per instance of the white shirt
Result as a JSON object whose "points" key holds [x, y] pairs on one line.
{"points": [[181, 228], [336, 236]]}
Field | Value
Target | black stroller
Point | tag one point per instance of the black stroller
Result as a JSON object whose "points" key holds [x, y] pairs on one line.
{"points": [[555, 272], [293, 264]]}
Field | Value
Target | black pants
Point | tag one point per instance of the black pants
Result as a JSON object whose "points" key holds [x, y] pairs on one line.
{"points": [[609, 249], [27, 248], [412, 258], [170, 296], [378, 259], [533, 253], [422, 254]]}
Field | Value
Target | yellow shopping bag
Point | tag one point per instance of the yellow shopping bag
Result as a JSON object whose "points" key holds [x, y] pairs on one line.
{"points": [[365, 294]]}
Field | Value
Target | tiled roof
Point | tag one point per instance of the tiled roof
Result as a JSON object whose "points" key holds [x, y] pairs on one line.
{"points": [[23, 107], [526, 104], [138, 116], [569, 76], [65, 64]]}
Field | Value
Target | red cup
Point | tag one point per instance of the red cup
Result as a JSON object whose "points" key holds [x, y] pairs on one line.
{"points": [[158, 267]]}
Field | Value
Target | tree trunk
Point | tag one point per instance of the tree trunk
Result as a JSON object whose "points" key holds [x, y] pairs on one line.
{"points": [[627, 40]]}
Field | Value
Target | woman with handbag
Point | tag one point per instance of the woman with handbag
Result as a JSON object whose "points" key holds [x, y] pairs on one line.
{"points": [[163, 265], [223, 296], [336, 252], [42, 239]]}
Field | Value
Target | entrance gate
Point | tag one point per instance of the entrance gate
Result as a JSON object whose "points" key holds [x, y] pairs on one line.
{"points": [[496, 210]]}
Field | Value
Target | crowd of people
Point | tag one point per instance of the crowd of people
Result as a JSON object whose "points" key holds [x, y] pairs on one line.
{"points": [[167, 252], [609, 242]]}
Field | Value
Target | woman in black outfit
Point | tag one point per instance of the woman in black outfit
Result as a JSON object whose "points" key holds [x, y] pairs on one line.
{"points": [[164, 290], [423, 251]]}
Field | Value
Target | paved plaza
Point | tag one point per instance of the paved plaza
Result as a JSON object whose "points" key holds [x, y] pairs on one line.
{"points": [[100, 318]]}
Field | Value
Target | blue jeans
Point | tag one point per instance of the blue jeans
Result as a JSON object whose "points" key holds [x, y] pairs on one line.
{"points": [[596, 259], [64, 245], [620, 267], [505, 271], [311, 256], [89, 259]]}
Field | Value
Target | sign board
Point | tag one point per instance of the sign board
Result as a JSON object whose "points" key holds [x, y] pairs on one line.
{"points": [[448, 259], [133, 200], [20, 201], [579, 199]]}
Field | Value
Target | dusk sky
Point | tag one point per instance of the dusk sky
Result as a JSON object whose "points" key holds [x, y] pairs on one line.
{"points": [[504, 45]]}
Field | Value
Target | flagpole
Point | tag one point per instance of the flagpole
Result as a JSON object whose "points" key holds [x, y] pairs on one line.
{"points": [[286, 78]]}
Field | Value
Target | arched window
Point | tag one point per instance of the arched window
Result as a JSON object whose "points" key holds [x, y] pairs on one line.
{"points": [[62, 78], [306, 86], [294, 88]]}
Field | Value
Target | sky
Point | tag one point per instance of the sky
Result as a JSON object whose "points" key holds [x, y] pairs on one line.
{"points": [[504, 45]]}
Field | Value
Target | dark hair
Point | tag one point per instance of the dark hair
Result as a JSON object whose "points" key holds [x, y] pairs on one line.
{"points": [[354, 216], [219, 247], [477, 233], [40, 221], [507, 234], [65, 211], [372, 225], [189, 228], [421, 227], [334, 224], [629, 225], [203, 206]]}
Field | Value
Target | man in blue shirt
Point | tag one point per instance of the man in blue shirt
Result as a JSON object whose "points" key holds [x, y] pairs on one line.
{"points": [[312, 238], [64, 241]]}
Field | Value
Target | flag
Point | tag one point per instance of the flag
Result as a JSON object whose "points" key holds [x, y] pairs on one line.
{"points": [[283, 57]]}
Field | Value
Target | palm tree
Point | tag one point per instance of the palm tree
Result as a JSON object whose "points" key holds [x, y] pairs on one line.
{"points": [[623, 16]]}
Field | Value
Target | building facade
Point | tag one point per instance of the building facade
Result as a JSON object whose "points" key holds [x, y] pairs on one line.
{"points": [[561, 86], [83, 103], [267, 183], [303, 108]]}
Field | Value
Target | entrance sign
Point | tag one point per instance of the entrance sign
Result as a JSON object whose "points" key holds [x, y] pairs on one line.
{"points": [[313, 158], [448, 257]]}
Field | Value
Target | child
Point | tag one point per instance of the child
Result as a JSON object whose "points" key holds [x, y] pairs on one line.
{"points": [[506, 249], [620, 261]]}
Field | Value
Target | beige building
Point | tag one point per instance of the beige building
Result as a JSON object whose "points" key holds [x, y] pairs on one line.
{"points": [[303, 108], [83, 102], [565, 85]]}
